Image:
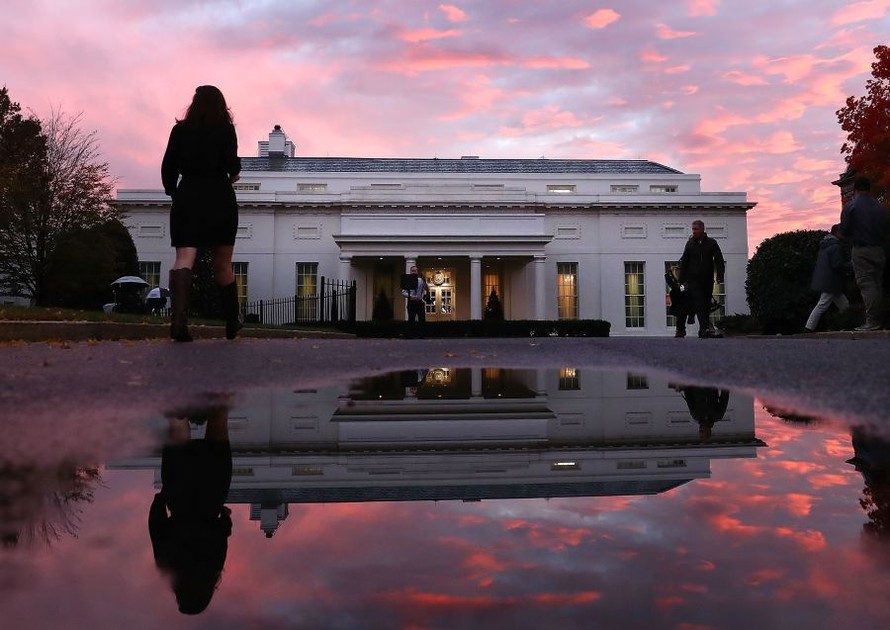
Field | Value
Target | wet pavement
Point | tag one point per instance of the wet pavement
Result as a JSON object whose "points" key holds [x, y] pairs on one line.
{"points": [[447, 484]]}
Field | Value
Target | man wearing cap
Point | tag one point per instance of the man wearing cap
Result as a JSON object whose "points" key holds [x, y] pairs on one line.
{"points": [[863, 225]]}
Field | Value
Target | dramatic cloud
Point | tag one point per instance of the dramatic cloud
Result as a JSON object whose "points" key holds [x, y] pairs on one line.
{"points": [[745, 96]]}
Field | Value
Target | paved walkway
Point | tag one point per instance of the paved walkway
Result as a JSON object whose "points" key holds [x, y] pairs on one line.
{"points": [[842, 375]]}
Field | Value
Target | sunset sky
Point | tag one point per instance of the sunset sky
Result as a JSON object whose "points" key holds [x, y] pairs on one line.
{"points": [[742, 93]]}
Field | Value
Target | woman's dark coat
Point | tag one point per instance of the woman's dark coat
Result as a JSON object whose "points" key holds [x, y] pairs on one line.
{"points": [[197, 172]]}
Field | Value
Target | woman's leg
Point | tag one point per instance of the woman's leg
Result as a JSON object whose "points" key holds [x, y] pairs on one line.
{"points": [[180, 287], [222, 264], [225, 280], [185, 258]]}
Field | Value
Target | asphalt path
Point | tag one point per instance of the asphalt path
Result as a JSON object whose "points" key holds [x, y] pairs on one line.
{"points": [[112, 381]]}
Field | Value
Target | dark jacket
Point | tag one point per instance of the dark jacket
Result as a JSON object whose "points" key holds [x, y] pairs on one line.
{"points": [[700, 259], [829, 276], [863, 221]]}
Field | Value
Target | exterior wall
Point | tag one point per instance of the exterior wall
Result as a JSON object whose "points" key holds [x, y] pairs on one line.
{"points": [[363, 219]]}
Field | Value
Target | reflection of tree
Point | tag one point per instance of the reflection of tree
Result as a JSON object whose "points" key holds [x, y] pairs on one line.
{"points": [[789, 416], [872, 459], [707, 405], [43, 503]]}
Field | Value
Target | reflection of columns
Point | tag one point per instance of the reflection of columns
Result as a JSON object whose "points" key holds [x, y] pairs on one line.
{"points": [[476, 382], [540, 296], [475, 286], [346, 268]]}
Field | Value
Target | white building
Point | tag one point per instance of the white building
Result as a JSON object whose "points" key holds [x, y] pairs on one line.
{"points": [[575, 239]]}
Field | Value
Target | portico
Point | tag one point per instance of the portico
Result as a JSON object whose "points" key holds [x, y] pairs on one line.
{"points": [[462, 260]]}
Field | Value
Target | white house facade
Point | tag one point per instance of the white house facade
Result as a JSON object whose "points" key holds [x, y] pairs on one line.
{"points": [[554, 239]]}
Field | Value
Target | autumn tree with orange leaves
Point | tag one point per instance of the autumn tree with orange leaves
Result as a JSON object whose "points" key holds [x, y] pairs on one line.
{"points": [[867, 123]]}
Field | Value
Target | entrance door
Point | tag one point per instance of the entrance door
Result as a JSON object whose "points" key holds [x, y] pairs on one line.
{"points": [[442, 289]]}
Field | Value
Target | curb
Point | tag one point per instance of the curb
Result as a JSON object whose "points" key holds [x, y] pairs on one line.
{"points": [[35, 331]]}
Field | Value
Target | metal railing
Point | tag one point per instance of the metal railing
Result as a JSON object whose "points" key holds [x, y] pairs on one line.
{"points": [[334, 302]]}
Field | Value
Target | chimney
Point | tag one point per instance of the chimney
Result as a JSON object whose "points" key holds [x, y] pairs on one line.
{"points": [[277, 142], [277, 146]]}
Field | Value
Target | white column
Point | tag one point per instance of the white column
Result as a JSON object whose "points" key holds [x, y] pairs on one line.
{"points": [[475, 287], [346, 268], [540, 281]]}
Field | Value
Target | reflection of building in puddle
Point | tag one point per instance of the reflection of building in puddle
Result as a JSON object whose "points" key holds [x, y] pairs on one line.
{"points": [[472, 434]]}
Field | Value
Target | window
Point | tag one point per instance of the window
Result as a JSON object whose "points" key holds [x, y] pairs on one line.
{"points": [[246, 186], [312, 188], [150, 271], [624, 188], [568, 380], [634, 294], [240, 270], [306, 290], [662, 188], [672, 267], [491, 282], [560, 189], [567, 290], [637, 381], [719, 296]]}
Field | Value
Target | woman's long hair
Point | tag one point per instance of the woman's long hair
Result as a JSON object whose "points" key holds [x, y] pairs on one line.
{"points": [[208, 108]]}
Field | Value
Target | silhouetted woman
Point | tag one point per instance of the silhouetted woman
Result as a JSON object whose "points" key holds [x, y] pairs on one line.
{"points": [[200, 165], [188, 522]]}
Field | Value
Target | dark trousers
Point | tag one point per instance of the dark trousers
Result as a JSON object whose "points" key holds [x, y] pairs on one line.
{"points": [[416, 311], [698, 303]]}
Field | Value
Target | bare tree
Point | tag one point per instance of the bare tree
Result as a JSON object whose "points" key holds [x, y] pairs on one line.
{"points": [[75, 192]]}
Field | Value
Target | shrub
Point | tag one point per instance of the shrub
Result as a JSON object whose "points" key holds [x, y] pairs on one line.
{"points": [[778, 283], [480, 328]]}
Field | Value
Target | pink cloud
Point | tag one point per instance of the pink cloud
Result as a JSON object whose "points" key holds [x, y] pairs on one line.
{"points": [[698, 8], [427, 34], [453, 13], [649, 54], [743, 78], [662, 31], [602, 18], [861, 11]]}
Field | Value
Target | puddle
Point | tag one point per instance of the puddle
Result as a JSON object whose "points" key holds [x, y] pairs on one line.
{"points": [[464, 498]]}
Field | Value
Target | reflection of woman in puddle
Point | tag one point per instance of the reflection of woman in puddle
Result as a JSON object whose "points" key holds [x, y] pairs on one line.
{"points": [[188, 522], [707, 405]]}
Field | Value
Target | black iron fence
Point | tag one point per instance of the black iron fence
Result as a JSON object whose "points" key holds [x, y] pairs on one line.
{"points": [[334, 302]]}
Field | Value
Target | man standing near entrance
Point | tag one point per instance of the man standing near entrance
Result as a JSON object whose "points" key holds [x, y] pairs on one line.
{"points": [[863, 225], [701, 258], [414, 290]]}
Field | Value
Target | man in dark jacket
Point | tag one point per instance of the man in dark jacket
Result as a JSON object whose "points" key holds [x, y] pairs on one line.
{"points": [[829, 277], [700, 260], [864, 226]]}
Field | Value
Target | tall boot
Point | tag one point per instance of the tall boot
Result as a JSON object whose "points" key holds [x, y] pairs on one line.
{"points": [[231, 309], [180, 287]]}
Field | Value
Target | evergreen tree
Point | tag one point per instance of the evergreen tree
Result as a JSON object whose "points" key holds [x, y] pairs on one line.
{"points": [[494, 310]]}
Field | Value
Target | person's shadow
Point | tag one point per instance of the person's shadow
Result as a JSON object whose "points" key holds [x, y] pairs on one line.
{"points": [[707, 405], [188, 521]]}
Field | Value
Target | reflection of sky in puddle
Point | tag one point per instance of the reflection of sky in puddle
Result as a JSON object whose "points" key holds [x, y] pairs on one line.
{"points": [[479, 498]]}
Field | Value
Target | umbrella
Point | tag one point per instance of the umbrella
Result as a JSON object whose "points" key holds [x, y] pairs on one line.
{"points": [[129, 280], [158, 292]]}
